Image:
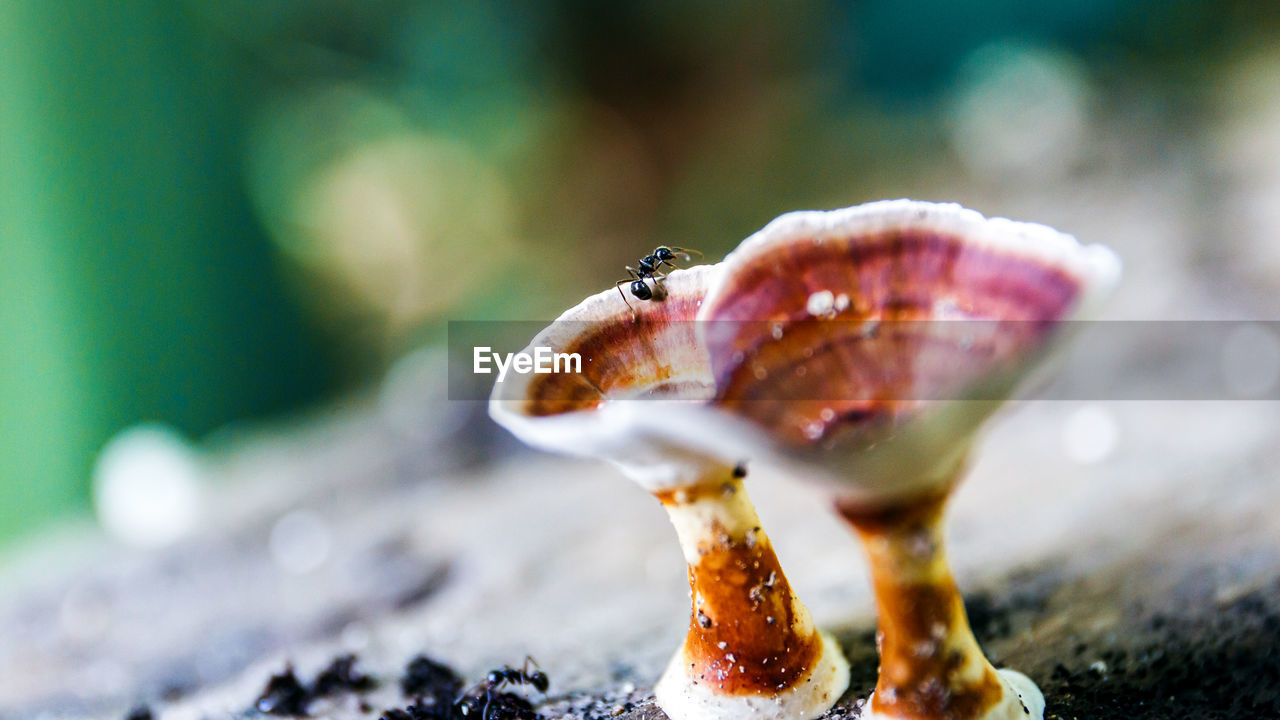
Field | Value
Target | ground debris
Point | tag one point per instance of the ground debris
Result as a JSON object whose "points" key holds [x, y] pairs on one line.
{"points": [[488, 705], [417, 711], [433, 683], [1222, 663], [141, 712], [284, 695], [341, 676]]}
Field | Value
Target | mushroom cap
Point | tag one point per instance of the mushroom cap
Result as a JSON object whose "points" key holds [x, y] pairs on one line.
{"points": [[875, 339], [642, 395]]}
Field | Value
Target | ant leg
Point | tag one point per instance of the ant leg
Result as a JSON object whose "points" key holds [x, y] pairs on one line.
{"points": [[635, 275], [473, 687], [623, 295], [660, 289], [467, 693]]}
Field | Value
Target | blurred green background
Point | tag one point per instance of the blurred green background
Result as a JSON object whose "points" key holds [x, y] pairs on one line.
{"points": [[213, 212]]}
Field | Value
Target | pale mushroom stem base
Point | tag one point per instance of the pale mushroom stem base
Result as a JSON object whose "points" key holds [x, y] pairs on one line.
{"points": [[752, 652], [931, 666]]}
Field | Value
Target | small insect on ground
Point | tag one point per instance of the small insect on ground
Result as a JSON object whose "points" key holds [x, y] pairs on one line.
{"points": [[508, 675], [483, 701]]}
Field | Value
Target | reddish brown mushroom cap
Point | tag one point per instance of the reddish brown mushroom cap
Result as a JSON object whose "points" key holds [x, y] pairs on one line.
{"points": [[644, 376], [833, 331], [872, 342]]}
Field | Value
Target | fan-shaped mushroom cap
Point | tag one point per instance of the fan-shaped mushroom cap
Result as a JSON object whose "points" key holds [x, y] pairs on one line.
{"points": [[875, 339], [645, 377], [872, 342]]}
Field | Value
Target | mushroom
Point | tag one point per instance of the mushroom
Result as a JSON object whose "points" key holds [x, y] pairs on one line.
{"points": [[752, 651], [872, 342]]}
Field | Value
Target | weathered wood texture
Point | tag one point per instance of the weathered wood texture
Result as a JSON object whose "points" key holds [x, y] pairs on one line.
{"points": [[1160, 563]]}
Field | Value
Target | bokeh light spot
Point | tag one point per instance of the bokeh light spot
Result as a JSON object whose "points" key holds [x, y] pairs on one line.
{"points": [[300, 542], [1019, 109], [147, 486]]}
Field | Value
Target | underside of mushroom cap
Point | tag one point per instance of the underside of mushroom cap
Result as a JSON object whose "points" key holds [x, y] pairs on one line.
{"points": [[642, 391], [837, 330]]}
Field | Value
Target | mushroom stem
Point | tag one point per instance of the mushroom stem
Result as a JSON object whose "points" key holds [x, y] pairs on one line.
{"points": [[931, 666], [752, 651]]}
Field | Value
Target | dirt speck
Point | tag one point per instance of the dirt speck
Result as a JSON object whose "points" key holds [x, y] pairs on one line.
{"points": [[141, 712], [284, 695], [341, 676], [433, 683]]}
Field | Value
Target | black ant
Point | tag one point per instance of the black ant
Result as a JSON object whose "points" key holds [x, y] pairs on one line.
{"points": [[494, 705], [511, 676], [650, 269]]}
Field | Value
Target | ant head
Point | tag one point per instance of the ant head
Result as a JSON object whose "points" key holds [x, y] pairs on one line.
{"points": [[664, 253], [641, 290], [494, 677]]}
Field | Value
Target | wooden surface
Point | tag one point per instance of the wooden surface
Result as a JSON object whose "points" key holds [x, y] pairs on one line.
{"points": [[465, 547]]}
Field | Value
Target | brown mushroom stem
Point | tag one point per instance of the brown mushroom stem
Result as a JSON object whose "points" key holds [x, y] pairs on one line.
{"points": [[752, 650], [931, 666]]}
